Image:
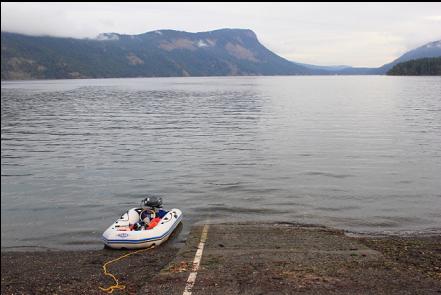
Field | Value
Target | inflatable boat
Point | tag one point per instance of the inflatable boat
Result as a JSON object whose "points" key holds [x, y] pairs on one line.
{"points": [[142, 227]]}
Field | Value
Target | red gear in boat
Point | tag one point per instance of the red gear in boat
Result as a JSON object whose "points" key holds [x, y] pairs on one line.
{"points": [[154, 222]]}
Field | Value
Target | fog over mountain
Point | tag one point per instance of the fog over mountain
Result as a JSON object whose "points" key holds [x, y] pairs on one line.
{"points": [[326, 34], [162, 53]]}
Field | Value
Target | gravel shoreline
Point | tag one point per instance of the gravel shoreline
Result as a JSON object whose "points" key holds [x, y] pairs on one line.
{"points": [[419, 253], [80, 272]]}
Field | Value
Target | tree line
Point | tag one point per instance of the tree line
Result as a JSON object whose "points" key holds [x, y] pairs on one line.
{"points": [[418, 67]]}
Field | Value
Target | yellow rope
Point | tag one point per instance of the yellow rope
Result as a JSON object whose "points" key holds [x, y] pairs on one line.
{"points": [[106, 273]]}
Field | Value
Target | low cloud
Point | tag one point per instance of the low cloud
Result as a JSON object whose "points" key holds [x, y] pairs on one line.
{"points": [[358, 34]]}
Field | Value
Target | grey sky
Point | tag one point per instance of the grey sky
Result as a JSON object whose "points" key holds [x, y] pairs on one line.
{"points": [[357, 34]]}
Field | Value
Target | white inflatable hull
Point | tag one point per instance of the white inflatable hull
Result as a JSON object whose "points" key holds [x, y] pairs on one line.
{"points": [[118, 239]]}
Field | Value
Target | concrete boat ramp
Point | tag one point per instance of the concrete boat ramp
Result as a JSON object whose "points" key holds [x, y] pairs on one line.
{"points": [[283, 259]]}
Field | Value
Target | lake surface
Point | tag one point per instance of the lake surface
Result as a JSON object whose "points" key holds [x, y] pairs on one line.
{"points": [[357, 153]]}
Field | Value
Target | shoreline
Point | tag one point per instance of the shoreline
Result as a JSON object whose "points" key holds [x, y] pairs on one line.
{"points": [[179, 241], [80, 272]]}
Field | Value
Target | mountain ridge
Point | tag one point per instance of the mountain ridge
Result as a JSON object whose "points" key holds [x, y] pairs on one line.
{"points": [[159, 53], [163, 53], [431, 49]]}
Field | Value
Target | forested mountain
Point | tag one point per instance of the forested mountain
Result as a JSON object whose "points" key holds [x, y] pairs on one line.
{"points": [[159, 53], [418, 67], [163, 53], [432, 49]]}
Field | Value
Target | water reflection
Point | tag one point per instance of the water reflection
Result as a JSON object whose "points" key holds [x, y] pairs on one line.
{"points": [[359, 153]]}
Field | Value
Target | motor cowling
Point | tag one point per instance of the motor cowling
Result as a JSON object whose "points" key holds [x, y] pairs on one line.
{"points": [[152, 202]]}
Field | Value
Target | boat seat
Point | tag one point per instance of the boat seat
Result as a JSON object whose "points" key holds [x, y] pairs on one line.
{"points": [[133, 216]]}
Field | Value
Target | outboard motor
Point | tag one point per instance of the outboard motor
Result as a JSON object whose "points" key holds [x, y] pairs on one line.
{"points": [[152, 202]]}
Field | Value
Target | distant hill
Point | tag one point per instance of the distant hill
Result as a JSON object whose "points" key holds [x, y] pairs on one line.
{"points": [[432, 49], [163, 53], [417, 67], [323, 68], [160, 53]]}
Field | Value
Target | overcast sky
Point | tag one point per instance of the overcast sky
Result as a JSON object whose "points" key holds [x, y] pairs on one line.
{"points": [[357, 34]]}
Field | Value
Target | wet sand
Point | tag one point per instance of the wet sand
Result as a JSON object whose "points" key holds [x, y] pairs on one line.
{"points": [[414, 262]]}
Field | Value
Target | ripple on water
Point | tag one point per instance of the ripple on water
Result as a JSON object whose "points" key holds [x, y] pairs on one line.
{"points": [[328, 174], [358, 153]]}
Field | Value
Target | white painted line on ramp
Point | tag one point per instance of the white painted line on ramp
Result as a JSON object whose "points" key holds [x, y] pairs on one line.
{"points": [[196, 262]]}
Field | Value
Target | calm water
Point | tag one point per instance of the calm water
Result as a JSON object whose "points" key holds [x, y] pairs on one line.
{"points": [[357, 153]]}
